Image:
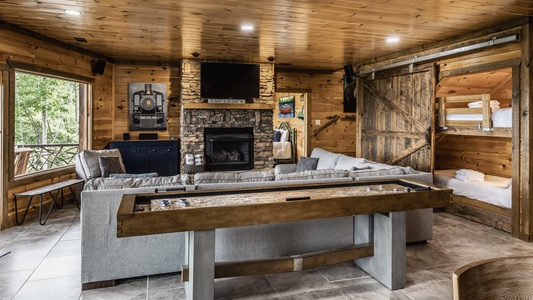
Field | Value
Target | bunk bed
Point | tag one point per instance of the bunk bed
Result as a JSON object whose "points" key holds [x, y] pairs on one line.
{"points": [[284, 147], [489, 201], [473, 115]]}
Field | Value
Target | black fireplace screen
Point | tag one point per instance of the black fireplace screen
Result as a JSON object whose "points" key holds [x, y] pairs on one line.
{"points": [[229, 149]]}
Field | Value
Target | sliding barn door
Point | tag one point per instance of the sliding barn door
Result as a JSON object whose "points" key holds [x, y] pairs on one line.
{"points": [[397, 117]]}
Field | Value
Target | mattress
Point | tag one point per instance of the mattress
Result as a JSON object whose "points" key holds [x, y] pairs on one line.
{"points": [[493, 190], [282, 150], [502, 118]]}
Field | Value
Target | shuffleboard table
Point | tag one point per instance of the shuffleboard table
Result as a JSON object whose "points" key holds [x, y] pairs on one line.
{"points": [[378, 208]]}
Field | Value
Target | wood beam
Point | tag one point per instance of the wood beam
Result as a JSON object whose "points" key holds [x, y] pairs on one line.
{"points": [[287, 263], [526, 128]]}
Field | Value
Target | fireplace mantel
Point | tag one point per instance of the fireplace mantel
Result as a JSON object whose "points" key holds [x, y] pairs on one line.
{"points": [[255, 106]]}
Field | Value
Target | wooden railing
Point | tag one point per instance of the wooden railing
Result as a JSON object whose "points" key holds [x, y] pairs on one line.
{"points": [[49, 156]]}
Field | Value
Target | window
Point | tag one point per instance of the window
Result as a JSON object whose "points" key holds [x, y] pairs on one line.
{"points": [[47, 121]]}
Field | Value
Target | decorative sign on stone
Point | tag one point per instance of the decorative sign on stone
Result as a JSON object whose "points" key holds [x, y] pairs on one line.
{"points": [[227, 101]]}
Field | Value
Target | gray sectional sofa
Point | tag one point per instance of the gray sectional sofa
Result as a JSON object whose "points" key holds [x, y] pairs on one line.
{"points": [[106, 257]]}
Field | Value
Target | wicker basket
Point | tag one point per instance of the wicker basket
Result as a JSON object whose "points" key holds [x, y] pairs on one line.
{"points": [[193, 169]]}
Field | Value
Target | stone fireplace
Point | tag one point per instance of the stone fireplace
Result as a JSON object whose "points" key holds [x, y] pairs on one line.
{"points": [[198, 118]]}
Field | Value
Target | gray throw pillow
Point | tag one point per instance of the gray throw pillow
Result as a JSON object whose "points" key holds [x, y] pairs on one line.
{"points": [[110, 165], [306, 163]]}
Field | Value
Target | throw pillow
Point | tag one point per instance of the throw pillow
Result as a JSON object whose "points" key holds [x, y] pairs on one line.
{"points": [[509, 183], [277, 135], [284, 135], [110, 165], [90, 165], [306, 163]]}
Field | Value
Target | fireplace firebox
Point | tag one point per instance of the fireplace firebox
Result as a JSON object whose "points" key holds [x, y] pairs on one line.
{"points": [[229, 149]]}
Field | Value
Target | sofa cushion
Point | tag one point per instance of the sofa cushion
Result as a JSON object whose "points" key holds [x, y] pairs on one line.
{"points": [[229, 177], [312, 174], [372, 173], [373, 165], [284, 168], [101, 183], [128, 175], [90, 161], [110, 165], [327, 159], [347, 162], [306, 163]]}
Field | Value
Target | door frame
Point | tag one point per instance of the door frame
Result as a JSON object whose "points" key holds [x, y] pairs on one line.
{"points": [[306, 93]]}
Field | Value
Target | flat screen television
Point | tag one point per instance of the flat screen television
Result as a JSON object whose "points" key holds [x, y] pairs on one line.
{"points": [[229, 81]]}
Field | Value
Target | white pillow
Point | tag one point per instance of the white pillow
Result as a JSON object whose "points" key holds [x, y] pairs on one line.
{"points": [[347, 162], [284, 135], [509, 184], [503, 118], [327, 159]]}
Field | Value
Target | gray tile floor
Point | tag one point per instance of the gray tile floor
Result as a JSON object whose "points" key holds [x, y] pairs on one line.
{"points": [[44, 263]]}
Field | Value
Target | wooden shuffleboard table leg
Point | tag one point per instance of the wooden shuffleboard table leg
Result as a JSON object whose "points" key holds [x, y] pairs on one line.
{"points": [[387, 233], [200, 255]]}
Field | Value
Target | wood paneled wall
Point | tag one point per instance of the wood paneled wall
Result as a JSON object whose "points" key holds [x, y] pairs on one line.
{"points": [[19, 48], [489, 155], [325, 100], [124, 74], [504, 157], [102, 110]]}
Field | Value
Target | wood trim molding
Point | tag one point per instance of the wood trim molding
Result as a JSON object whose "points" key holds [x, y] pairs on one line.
{"points": [[48, 71], [480, 68], [287, 263]]}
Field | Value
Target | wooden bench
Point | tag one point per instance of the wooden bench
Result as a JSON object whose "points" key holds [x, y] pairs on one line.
{"points": [[47, 189]]}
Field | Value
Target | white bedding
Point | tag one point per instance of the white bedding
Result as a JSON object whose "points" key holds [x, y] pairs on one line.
{"points": [[500, 118], [493, 190], [282, 150]]}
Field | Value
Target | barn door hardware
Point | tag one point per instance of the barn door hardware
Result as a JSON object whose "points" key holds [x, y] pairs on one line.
{"points": [[333, 120], [494, 41]]}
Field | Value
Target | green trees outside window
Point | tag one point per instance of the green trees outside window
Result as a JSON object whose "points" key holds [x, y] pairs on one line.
{"points": [[46, 120]]}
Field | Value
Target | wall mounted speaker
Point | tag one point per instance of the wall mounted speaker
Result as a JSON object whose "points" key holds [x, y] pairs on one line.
{"points": [[98, 66], [348, 71]]}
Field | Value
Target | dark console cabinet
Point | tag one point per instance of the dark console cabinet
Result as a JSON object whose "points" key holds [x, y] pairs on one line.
{"points": [[161, 156]]}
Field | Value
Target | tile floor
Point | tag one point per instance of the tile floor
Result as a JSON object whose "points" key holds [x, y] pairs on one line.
{"points": [[44, 263]]}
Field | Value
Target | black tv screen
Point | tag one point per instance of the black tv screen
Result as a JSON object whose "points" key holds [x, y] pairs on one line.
{"points": [[229, 81]]}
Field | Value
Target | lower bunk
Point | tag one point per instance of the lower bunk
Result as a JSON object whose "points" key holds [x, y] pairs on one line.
{"points": [[487, 202]]}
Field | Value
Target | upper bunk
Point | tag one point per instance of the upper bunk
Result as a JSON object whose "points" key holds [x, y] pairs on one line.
{"points": [[473, 115]]}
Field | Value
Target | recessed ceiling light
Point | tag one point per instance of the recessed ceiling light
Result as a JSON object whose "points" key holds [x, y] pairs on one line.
{"points": [[247, 27], [393, 39], [72, 12]]}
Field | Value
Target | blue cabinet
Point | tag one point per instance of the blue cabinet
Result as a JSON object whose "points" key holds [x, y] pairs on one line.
{"points": [[160, 156]]}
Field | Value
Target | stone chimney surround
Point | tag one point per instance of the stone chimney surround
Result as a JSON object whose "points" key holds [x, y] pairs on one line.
{"points": [[195, 115]]}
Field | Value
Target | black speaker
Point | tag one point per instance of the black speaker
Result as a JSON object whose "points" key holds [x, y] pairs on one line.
{"points": [[148, 136], [348, 71], [98, 66], [126, 136]]}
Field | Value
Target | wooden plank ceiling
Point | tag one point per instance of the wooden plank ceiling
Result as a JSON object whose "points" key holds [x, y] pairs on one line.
{"points": [[300, 34]]}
